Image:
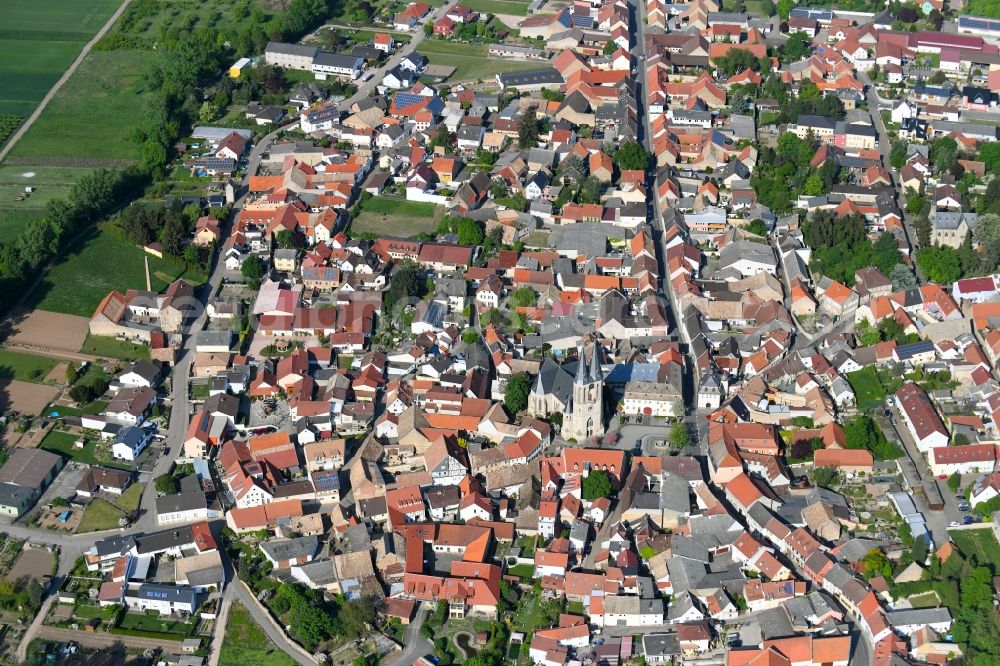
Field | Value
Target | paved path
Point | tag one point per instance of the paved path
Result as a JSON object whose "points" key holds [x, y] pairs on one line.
{"points": [[267, 622], [26, 125], [102, 639], [219, 633], [415, 645]]}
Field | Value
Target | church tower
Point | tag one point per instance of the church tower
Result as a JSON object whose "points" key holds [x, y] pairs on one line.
{"points": [[585, 414]]}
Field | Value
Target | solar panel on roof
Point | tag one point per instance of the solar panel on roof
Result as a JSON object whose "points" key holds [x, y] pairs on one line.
{"points": [[406, 99], [327, 481]]}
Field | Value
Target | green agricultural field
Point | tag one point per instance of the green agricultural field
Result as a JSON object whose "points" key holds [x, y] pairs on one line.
{"points": [[52, 32], [24, 367], [91, 118], [97, 265], [512, 7], [246, 644], [471, 60]]}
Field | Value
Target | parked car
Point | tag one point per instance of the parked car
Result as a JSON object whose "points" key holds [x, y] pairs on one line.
{"points": [[953, 523], [967, 520]]}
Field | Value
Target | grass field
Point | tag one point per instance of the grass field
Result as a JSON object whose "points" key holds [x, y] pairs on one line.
{"points": [[513, 7], [131, 497], [61, 442], [51, 33], [471, 60], [979, 545], [867, 388], [99, 264], [112, 348], [25, 367], [94, 114], [99, 515], [387, 206], [246, 644], [396, 225], [152, 621], [49, 183]]}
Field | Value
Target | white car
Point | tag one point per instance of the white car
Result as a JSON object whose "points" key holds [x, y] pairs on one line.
{"points": [[953, 523]]}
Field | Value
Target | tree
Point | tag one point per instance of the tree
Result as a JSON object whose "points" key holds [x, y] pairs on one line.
{"points": [[632, 156], [824, 476], [590, 190], [34, 592], [875, 563], [165, 484], [253, 271], [515, 395], [939, 263], [470, 232], [785, 8], [523, 297], [172, 235], [902, 278], [944, 152], [868, 335], [757, 227], [680, 436], [954, 481], [470, 337], [798, 46], [71, 370], [596, 485], [283, 239], [897, 154], [527, 129], [814, 185]]}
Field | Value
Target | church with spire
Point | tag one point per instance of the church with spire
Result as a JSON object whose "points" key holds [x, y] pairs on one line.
{"points": [[578, 394]]}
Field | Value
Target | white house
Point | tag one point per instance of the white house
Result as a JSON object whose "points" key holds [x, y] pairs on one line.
{"points": [[326, 65], [130, 443], [164, 599], [629, 611], [970, 459]]}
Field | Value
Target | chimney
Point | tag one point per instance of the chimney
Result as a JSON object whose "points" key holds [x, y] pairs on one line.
{"points": [[149, 284]]}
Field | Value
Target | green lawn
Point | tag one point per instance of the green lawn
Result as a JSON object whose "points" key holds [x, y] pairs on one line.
{"points": [[387, 206], [522, 570], [513, 7], [925, 600], [246, 644], [152, 621], [95, 407], [50, 182], [25, 367], [93, 116], [979, 545], [471, 60], [867, 388], [61, 442], [98, 345], [393, 225], [99, 515], [38, 41], [131, 498], [101, 262]]}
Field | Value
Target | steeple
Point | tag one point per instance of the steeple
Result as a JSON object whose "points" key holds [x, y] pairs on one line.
{"points": [[595, 364], [539, 389], [581, 368]]}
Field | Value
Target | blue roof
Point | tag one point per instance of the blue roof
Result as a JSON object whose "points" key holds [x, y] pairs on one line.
{"points": [[978, 23]]}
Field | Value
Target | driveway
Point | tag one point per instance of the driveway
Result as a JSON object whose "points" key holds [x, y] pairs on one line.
{"points": [[416, 645]]}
